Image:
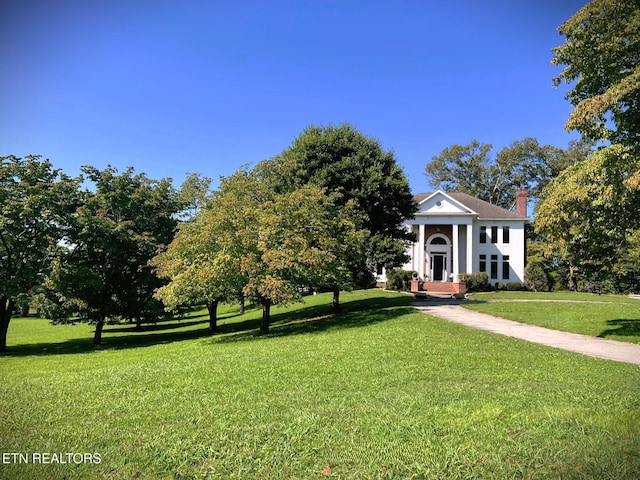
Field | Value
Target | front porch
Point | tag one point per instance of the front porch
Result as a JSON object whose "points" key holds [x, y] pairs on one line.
{"points": [[438, 289]]}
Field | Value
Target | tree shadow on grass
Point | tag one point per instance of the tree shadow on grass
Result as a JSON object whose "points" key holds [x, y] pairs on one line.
{"points": [[624, 327], [127, 337], [318, 318], [310, 319]]}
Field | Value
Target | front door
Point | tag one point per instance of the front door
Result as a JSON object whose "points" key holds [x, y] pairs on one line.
{"points": [[438, 267]]}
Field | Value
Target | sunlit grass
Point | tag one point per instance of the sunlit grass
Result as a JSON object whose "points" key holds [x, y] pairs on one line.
{"points": [[380, 391], [615, 317]]}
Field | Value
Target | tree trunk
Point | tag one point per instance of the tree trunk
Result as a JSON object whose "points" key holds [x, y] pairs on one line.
{"points": [[138, 322], [571, 281], [241, 304], [213, 316], [6, 309], [97, 336], [336, 300], [266, 316]]}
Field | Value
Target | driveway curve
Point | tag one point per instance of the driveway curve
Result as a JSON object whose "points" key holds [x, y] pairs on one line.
{"points": [[592, 346]]}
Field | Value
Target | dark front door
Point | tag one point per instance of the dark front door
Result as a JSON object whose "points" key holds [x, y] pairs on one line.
{"points": [[437, 265]]}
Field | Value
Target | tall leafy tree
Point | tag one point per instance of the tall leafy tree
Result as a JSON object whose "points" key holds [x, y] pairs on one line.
{"points": [[601, 59], [36, 201], [119, 227], [302, 239], [590, 217], [203, 260], [598, 199], [357, 170], [522, 165]]}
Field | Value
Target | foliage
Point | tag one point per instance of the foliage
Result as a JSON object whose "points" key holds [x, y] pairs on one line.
{"points": [[35, 203], [203, 260], [522, 165], [355, 169], [536, 278], [601, 58], [476, 281], [302, 239], [380, 391], [589, 215], [271, 247], [514, 286], [398, 279], [119, 227]]}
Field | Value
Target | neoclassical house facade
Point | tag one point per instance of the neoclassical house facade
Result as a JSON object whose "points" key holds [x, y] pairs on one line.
{"points": [[458, 233]]}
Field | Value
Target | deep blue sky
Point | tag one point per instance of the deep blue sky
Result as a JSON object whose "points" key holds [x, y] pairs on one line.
{"points": [[207, 86]]}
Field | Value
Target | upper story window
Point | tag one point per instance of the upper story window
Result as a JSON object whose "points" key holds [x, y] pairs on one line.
{"points": [[494, 234], [483, 234], [505, 234]]}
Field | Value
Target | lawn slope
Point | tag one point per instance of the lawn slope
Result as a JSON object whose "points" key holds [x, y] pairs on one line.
{"points": [[380, 391]]}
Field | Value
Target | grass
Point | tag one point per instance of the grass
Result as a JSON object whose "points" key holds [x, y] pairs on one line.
{"points": [[613, 317], [380, 391]]}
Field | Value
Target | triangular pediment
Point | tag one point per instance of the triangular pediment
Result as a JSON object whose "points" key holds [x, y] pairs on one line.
{"points": [[439, 203]]}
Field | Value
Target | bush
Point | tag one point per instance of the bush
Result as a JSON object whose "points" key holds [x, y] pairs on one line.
{"points": [[514, 286], [475, 282], [536, 278], [557, 281], [399, 279], [500, 286]]}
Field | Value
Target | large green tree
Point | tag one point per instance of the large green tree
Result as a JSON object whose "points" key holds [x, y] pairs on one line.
{"points": [[35, 203], [105, 272], [601, 59], [286, 241], [357, 170], [598, 200], [203, 260], [303, 239], [590, 218], [522, 165]]}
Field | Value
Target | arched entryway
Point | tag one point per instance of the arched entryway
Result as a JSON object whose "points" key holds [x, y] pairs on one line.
{"points": [[438, 257]]}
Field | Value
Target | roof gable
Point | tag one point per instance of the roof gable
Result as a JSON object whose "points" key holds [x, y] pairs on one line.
{"points": [[461, 203], [439, 203]]}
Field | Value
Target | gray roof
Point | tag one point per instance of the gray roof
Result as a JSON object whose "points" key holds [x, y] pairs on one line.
{"points": [[482, 208]]}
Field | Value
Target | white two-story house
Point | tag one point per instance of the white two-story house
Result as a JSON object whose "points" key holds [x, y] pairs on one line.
{"points": [[458, 233]]}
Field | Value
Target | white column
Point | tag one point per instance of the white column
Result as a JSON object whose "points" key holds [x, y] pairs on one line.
{"points": [[456, 255], [470, 248], [421, 251]]}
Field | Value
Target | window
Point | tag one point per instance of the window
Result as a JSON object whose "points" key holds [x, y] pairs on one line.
{"points": [[483, 234], [379, 269], [494, 267], [494, 234], [483, 263], [505, 235], [505, 267]]}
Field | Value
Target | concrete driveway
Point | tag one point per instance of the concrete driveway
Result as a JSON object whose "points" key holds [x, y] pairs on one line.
{"points": [[592, 346]]}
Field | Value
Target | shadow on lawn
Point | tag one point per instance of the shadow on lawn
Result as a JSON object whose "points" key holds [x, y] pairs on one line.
{"points": [[308, 319], [317, 318], [624, 327]]}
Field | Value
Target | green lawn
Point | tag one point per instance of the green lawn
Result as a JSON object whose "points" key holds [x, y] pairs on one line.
{"points": [[380, 391], [614, 317]]}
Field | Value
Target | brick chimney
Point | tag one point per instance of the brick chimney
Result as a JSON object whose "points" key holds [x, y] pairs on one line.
{"points": [[521, 203]]}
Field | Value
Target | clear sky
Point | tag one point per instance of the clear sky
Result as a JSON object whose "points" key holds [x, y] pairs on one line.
{"points": [[171, 87]]}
